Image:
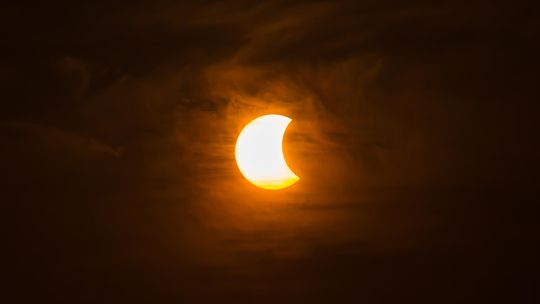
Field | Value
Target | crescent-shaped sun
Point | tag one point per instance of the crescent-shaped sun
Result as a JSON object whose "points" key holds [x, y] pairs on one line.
{"points": [[259, 153]]}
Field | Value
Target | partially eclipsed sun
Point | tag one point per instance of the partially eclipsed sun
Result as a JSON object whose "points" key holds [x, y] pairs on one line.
{"points": [[259, 153]]}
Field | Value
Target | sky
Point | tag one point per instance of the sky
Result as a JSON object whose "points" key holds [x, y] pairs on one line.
{"points": [[414, 133]]}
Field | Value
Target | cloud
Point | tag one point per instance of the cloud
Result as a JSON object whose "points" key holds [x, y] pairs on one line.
{"points": [[66, 142]]}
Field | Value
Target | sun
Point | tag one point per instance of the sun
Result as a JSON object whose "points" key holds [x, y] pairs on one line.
{"points": [[259, 153]]}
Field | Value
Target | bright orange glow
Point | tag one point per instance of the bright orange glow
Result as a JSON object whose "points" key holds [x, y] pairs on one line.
{"points": [[259, 153]]}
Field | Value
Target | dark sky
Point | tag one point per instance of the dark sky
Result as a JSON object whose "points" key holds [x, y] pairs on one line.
{"points": [[415, 134]]}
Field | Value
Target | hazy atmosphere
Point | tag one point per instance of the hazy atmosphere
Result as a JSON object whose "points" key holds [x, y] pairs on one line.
{"points": [[414, 131]]}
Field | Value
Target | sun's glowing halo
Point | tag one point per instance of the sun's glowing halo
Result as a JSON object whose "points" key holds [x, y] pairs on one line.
{"points": [[259, 153]]}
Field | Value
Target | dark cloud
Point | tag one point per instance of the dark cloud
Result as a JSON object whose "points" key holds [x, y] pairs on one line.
{"points": [[413, 133]]}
